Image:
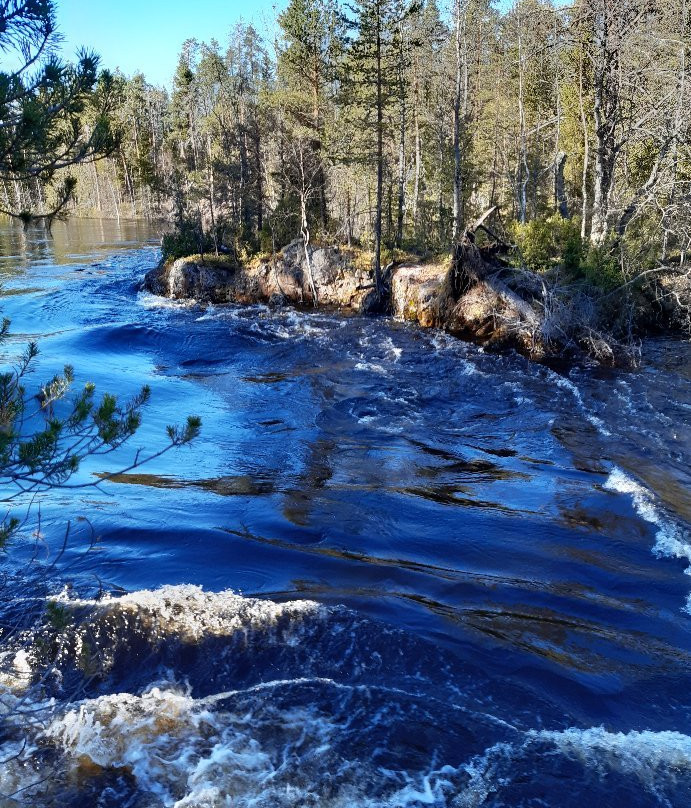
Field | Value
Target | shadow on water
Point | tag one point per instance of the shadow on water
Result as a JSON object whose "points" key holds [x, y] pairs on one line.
{"points": [[241, 485]]}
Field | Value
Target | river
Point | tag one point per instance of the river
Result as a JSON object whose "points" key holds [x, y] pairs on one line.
{"points": [[394, 570]]}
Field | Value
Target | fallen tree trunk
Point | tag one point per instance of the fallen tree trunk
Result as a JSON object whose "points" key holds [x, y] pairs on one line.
{"points": [[484, 303], [473, 264]]}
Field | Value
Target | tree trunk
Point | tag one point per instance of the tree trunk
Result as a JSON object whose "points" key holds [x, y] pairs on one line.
{"points": [[605, 110], [380, 162], [457, 166], [522, 169], [317, 142], [212, 194], [418, 169], [678, 124], [559, 186], [586, 148], [97, 187], [400, 204], [260, 181], [400, 201], [349, 219], [304, 231], [440, 203], [245, 215]]}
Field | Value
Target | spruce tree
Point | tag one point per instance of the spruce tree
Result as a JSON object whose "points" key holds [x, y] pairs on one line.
{"points": [[313, 37]]}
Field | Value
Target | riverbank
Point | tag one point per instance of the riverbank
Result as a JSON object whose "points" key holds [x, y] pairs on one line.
{"points": [[466, 296]]}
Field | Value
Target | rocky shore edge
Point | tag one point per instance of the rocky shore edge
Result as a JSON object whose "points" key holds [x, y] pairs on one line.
{"points": [[464, 295]]}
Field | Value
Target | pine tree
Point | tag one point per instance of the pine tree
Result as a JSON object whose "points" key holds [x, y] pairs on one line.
{"points": [[42, 107], [374, 61], [313, 38]]}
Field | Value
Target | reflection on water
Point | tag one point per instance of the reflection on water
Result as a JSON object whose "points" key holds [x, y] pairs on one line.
{"points": [[494, 555], [241, 485], [68, 243]]}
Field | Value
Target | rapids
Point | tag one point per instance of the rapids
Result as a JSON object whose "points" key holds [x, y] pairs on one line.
{"points": [[394, 570]]}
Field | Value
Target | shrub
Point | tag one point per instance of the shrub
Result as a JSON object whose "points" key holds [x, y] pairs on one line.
{"points": [[601, 268], [187, 239], [544, 242]]}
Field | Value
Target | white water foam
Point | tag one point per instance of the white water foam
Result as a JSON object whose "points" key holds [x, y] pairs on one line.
{"points": [[184, 753], [15, 671], [190, 613], [371, 367], [257, 748], [655, 759], [147, 300], [444, 343], [671, 541], [392, 350], [645, 754]]}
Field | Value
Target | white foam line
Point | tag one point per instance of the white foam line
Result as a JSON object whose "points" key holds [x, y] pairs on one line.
{"points": [[651, 757], [671, 541], [637, 752], [567, 384], [276, 683]]}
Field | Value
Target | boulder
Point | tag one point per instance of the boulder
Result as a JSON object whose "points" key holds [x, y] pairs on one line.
{"points": [[280, 280], [488, 311], [422, 293]]}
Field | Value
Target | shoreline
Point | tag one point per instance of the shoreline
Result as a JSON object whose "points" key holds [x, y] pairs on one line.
{"points": [[484, 310]]}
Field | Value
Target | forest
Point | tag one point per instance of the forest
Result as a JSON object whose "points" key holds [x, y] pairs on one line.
{"points": [[392, 126]]}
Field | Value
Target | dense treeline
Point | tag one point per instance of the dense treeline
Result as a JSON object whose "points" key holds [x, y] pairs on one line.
{"points": [[392, 125]]}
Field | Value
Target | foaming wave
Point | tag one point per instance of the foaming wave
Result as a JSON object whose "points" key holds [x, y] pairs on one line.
{"points": [[171, 750], [147, 300], [177, 751], [393, 351], [295, 705], [241, 748], [671, 540], [190, 613], [641, 768], [211, 699], [649, 756], [372, 367]]}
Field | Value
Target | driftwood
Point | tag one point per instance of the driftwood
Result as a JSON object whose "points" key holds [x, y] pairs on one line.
{"points": [[472, 264]]}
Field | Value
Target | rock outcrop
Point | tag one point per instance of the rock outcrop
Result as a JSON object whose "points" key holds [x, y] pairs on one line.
{"points": [[422, 294], [283, 279], [475, 294], [487, 311], [426, 294]]}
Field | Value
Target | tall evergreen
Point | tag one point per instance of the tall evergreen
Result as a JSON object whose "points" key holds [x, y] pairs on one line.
{"points": [[374, 61], [313, 38], [53, 115]]}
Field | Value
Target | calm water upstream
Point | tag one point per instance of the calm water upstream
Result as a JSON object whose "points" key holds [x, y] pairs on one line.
{"points": [[393, 571]]}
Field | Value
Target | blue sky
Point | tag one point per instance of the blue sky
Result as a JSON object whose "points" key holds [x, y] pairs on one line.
{"points": [[146, 35]]}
